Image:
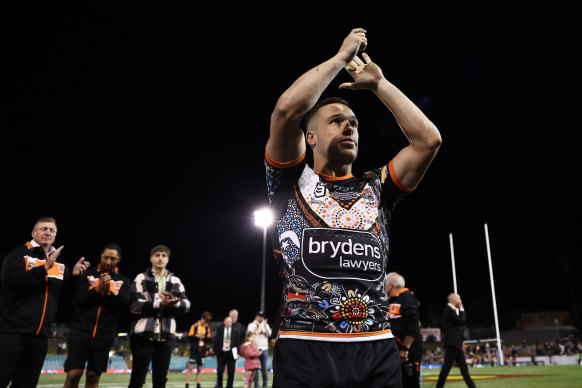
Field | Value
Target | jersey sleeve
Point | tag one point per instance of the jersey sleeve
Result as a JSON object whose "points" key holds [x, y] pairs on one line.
{"points": [[281, 177], [410, 315], [392, 190], [15, 273]]}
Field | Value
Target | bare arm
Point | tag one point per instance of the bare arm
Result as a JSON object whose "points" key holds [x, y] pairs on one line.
{"points": [[286, 140], [424, 139]]}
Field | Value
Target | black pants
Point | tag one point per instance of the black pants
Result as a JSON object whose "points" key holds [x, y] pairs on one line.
{"points": [[454, 354], [411, 374], [21, 359], [225, 359], [145, 351]]}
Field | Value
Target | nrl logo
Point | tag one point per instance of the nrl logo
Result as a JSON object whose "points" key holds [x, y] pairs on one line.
{"points": [[319, 190]]}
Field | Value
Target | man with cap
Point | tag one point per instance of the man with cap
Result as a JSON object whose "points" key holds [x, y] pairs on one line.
{"points": [[261, 328]]}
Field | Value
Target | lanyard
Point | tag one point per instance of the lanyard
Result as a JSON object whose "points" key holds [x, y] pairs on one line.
{"points": [[161, 280]]}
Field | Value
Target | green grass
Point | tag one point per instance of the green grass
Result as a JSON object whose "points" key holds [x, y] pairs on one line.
{"points": [[556, 376]]}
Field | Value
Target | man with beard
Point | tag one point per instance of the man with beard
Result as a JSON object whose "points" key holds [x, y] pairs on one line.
{"points": [[101, 295]]}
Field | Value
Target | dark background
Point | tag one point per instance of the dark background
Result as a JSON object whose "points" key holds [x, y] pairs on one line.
{"points": [[146, 126]]}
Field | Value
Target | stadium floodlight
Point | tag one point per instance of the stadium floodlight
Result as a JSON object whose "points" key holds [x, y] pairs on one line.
{"points": [[263, 219]]}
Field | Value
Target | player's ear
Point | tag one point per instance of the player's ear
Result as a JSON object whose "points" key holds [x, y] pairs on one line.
{"points": [[311, 138]]}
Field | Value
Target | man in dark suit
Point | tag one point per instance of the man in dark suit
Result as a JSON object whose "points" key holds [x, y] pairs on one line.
{"points": [[226, 346], [453, 322]]}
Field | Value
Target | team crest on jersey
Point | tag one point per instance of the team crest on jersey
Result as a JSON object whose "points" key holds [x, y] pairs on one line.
{"points": [[394, 310], [319, 190], [33, 262], [57, 271]]}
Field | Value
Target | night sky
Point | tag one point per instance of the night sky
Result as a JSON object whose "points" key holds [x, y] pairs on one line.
{"points": [[148, 126]]}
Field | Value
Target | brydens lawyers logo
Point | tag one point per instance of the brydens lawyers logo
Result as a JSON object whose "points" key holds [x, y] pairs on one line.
{"points": [[342, 254]]}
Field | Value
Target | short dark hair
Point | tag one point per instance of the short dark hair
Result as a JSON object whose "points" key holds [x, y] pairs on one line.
{"points": [[207, 316], [114, 247], [45, 219], [318, 105], [160, 248]]}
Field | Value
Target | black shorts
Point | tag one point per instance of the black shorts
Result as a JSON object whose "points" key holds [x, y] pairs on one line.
{"points": [[305, 363], [91, 351], [197, 359]]}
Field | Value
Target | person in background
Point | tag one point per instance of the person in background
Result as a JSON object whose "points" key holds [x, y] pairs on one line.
{"points": [[251, 355], [453, 321], [102, 294], [236, 323], [199, 338], [405, 324], [260, 326], [32, 279], [157, 295], [226, 347]]}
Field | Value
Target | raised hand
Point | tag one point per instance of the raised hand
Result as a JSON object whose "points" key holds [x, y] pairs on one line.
{"points": [[52, 258], [353, 43], [366, 74], [80, 267]]}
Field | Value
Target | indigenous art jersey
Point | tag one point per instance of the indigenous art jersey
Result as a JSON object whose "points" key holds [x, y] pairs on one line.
{"points": [[331, 243]]}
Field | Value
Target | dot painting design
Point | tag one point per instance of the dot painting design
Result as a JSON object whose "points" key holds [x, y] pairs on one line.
{"points": [[354, 310], [360, 216]]}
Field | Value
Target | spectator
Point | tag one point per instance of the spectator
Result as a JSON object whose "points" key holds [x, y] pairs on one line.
{"points": [[226, 348], [100, 297], [32, 280], [405, 324], [199, 339], [251, 355], [157, 295], [453, 320], [261, 328]]}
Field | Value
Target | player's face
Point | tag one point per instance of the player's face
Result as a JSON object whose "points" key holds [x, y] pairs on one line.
{"points": [[336, 135], [109, 260], [44, 233], [160, 260]]}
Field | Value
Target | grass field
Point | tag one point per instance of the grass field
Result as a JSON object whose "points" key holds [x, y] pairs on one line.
{"points": [[552, 376]]}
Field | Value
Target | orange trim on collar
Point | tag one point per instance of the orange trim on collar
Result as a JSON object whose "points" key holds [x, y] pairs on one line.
{"points": [[396, 181], [404, 290], [334, 178], [288, 164]]}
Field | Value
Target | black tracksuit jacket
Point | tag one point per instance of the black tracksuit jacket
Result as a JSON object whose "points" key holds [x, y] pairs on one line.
{"points": [[97, 313], [28, 303]]}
